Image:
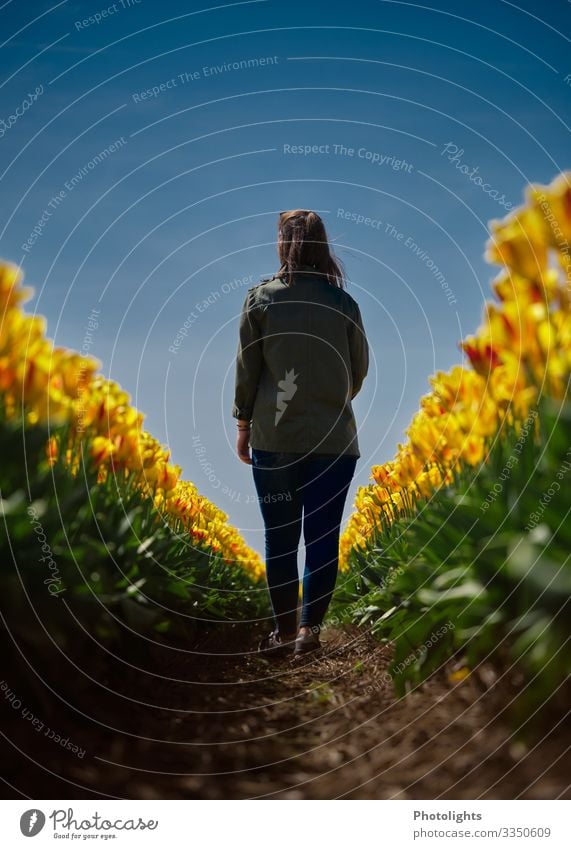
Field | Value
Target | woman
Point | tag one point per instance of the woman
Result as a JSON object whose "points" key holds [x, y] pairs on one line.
{"points": [[302, 357]]}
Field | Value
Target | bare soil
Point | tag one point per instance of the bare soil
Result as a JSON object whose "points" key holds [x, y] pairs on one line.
{"points": [[223, 722]]}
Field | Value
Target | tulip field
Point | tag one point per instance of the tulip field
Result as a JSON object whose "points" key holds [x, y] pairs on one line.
{"points": [[456, 553], [468, 526], [96, 519]]}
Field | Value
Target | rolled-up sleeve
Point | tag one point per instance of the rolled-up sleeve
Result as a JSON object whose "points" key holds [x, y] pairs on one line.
{"points": [[359, 350], [249, 361]]}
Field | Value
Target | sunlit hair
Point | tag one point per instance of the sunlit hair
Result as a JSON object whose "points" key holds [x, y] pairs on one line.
{"points": [[302, 240]]}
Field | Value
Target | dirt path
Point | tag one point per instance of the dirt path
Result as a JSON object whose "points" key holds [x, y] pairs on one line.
{"points": [[235, 725]]}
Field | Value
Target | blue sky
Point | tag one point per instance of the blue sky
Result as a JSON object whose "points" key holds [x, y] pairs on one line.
{"points": [[146, 149]]}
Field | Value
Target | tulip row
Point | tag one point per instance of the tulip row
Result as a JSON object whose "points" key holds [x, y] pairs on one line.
{"points": [[521, 352], [41, 383]]}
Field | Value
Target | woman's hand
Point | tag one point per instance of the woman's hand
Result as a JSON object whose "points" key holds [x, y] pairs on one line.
{"points": [[243, 444]]}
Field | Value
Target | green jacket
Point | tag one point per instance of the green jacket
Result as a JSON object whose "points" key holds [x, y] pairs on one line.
{"points": [[302, 357]]}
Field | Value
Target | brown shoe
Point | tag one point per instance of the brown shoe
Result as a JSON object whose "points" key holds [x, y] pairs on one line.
{"points": [[307, 639], [273, 644]]}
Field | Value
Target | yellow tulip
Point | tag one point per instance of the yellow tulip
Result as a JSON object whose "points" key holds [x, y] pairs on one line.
{"points": [[41, 382], [521, 349], [519, 243]]}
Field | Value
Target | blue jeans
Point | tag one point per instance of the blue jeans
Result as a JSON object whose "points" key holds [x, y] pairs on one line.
{"points": [[288, 485]]}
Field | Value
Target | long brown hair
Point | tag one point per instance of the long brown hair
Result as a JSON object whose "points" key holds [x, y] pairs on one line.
{"points": [[302, 240]]}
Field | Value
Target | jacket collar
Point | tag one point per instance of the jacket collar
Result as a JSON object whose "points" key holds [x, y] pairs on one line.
{"points": [[303, 269]]}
